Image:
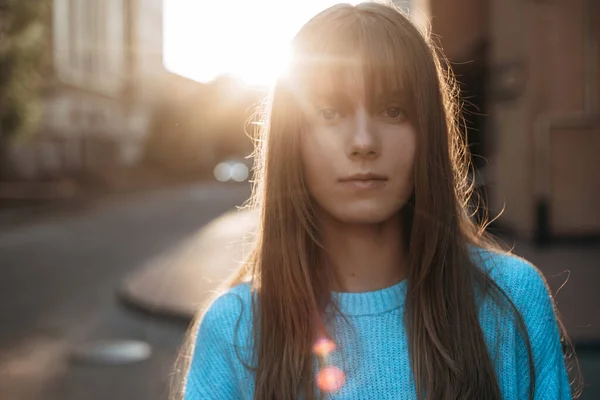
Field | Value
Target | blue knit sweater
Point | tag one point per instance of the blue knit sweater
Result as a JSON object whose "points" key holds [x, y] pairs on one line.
{"points": [[373, 354]]}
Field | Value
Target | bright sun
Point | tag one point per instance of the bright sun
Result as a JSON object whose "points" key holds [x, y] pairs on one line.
{"points": [[248, 39]]}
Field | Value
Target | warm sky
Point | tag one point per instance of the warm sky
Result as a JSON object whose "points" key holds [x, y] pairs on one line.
{"points": [[248, 39]]}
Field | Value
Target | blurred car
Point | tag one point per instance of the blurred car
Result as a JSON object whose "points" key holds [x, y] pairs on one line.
{"points": [[233, 170]]}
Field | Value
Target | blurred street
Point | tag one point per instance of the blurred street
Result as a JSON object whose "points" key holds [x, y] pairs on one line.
{"points": [[58, 293]]}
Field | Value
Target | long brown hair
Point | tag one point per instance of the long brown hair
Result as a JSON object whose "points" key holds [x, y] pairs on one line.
{"points": [[448, 352]]}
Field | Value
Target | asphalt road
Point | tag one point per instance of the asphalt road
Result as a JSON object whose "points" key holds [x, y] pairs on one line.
{"points": [[58, 294]]}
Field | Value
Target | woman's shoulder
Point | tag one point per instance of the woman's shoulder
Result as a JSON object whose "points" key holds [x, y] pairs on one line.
{"points": [[222, 347], [522, 281], [231, 301], [229, 311]]}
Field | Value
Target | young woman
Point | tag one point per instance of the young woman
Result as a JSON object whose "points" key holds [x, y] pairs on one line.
{"points": [[368, 279]]}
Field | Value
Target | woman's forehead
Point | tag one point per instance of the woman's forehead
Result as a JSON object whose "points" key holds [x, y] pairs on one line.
{"points": [[352, 85]]}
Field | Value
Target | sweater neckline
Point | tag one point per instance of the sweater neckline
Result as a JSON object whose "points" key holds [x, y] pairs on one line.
{"points": [[373, 302]]}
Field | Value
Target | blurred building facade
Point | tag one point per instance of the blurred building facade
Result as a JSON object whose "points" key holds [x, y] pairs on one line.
{"points": [[98, 99], [542, 135]]}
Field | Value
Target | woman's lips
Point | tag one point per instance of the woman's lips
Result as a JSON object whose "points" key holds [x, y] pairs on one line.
{"points": [[365, 184]]}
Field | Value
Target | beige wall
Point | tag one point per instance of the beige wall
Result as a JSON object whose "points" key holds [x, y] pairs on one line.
{"points": [[511, 162], [533, 155], [542, 150]]}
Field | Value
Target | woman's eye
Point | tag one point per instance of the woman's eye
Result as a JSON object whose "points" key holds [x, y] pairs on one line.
{"points": [[394, 112], [328, 113]]}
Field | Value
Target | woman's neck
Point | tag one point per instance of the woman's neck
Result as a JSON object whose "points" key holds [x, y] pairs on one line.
{"points": [[364, 257]]}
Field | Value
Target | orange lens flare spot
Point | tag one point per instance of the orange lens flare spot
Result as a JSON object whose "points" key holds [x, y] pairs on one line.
{"points": [[331, 379], [323, 347]]}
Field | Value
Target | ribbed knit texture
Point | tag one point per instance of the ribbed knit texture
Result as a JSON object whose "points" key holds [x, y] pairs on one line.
{"points": [[373, 353]]}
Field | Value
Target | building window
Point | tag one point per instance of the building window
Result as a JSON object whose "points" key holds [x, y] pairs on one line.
{"points": [[89, 43]]}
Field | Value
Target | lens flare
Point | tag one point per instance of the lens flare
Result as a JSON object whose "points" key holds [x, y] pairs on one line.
{"points": [[331, 379], [323, 347]]}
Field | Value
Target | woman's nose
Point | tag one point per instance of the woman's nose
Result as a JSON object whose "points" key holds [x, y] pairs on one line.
{"points": [[364, 140]]}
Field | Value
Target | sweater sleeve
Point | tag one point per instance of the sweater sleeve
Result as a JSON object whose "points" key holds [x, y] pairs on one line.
{"points": [[212, 371], [537, 308]]}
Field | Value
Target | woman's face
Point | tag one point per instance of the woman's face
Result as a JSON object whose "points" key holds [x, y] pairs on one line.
{"points": [[358, 159]]}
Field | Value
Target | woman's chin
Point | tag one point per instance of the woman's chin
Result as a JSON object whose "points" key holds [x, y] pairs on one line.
{"points": [[364, 214]]}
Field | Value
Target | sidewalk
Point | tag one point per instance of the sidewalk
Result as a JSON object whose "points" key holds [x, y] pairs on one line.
{"points": [[176, 284]]}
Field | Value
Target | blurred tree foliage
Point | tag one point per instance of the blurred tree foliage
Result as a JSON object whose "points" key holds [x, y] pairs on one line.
{"points": [[24, 53]]}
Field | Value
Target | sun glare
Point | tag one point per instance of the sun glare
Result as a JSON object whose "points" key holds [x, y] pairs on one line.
{"points": [[247, 39]]}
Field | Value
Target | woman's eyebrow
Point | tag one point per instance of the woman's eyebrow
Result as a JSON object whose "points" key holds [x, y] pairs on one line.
{"points": [[332, 97], [387, 96]]}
